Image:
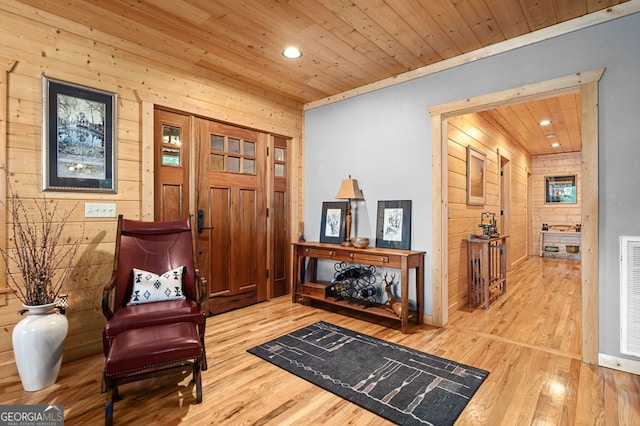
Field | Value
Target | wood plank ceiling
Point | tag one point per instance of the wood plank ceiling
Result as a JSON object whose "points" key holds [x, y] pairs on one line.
{"points": [[346, 44], [522, 123]]}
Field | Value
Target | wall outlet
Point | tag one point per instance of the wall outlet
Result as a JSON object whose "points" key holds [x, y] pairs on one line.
{"points": [[99, 210]]}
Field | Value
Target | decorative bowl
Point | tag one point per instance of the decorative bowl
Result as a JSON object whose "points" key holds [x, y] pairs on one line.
{"points": [[360, 242]]}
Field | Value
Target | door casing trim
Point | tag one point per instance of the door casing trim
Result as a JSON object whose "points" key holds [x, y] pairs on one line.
{"points": [[586, 84]]}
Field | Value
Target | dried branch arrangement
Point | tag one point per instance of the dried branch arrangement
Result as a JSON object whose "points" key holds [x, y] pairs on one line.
{"points": [[43, 260]]}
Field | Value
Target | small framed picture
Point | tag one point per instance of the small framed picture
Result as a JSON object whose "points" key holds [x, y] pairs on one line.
{"points": [[78, 138], [332, 226], [394, 224], [476, 177], [560, 189]]}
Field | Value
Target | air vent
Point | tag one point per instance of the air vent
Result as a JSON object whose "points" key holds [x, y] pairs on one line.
{"points": [[630, 295]]}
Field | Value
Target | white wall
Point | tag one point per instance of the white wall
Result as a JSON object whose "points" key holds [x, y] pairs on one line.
{"points": [[383, 139]]}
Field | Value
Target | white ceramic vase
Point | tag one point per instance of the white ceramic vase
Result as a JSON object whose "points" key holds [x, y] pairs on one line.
{"points": [[38, 343]]}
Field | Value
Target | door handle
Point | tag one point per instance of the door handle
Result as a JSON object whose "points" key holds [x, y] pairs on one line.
{"points": [[201, 226]]}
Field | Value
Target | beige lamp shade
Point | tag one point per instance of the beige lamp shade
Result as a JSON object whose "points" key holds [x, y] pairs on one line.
{"points": [[349, 190]]}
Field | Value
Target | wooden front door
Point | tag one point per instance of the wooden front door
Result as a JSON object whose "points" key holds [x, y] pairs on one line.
{"points": [[237, 181], [231, 198]]}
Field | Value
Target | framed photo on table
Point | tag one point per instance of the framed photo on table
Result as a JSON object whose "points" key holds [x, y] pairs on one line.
{"points": [[333, 222], [393, 228], [78, 138]]}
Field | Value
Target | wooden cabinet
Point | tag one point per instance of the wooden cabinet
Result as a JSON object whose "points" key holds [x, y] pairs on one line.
{"points": [[487, 269], [404, 260]]}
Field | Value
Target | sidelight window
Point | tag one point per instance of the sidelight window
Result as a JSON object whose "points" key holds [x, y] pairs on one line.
{"points": [[171, 145], [280, 162]]}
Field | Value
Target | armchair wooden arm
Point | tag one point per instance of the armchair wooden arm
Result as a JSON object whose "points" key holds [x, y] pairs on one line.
{"points": [[107, 299], [201, 285]]}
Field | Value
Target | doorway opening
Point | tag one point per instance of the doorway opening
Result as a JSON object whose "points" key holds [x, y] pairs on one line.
{"points": [[587, 85]]}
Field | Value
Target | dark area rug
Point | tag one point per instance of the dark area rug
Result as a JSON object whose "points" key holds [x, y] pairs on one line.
{"points": [[403, 385]]}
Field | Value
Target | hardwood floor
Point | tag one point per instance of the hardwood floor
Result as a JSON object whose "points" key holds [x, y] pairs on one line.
{"points": [[542, 307], [529, 340]]}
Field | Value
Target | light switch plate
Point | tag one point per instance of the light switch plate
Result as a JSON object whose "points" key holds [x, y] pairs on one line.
{"points": [[99, 210]]}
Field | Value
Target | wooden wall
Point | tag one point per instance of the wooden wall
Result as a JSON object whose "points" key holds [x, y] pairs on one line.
{"points": [[41, 44], [553, 214], [481, 132]]}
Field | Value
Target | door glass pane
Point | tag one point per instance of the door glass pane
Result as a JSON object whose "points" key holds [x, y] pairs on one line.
{"points": [[234, 164], [249, 166], [280, 170], [217, 143], [279, 154], [217, 162], [170, 156], [234, 145], [171, 135], [249, 149]]}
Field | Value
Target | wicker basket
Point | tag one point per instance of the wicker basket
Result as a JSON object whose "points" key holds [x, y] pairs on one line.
{"points": [[572, 249]]}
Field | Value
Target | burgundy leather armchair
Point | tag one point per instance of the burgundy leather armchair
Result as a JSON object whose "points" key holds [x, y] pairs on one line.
{"points": [[161, 326]]}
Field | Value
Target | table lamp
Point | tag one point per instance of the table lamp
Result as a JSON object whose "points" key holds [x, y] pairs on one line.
{"points": [[349, 190]]}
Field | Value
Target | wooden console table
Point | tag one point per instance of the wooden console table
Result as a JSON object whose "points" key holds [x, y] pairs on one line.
{"points": [[487, 269], [388, 258]]}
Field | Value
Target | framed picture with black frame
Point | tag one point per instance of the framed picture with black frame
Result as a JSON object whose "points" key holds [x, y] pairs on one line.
{"points": [[78, 138], [333, 222], [393, 229], [560, 189]]}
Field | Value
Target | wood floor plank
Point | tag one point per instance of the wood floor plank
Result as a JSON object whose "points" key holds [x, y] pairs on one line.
{"points": [[529, 340]]}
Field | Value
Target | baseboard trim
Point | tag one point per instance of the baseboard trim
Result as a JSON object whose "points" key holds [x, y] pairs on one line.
{"points": [[621, 364], [427, 319]]}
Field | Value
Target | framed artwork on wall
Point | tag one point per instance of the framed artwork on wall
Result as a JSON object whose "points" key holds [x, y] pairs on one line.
{"points": [[333, 222], [476, 177], [393, 229], [560, 189], [78, 138]]}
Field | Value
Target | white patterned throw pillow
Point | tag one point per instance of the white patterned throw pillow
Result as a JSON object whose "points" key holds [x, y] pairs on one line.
{"points": [[149, 287]]}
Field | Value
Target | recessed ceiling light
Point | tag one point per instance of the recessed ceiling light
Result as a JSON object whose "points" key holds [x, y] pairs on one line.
{"points": [[545, 122], [550, 135], [291, 52], [555, 145]]}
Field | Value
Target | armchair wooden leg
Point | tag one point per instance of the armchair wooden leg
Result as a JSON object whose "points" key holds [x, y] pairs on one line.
{"points": [[204, 359], [204, 353], [198, 381], [108, 409]]}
